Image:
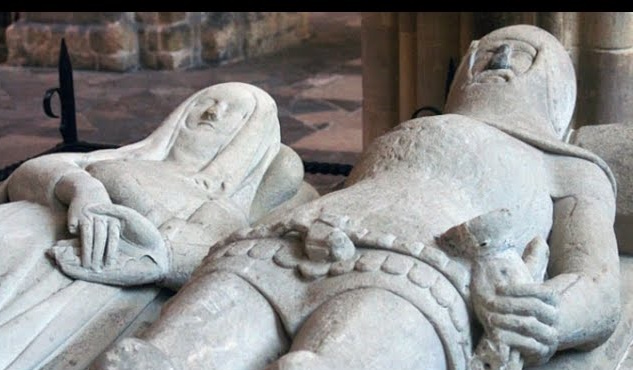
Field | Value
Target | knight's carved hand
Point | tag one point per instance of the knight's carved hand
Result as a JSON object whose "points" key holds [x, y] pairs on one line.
{"points": [[524, 317], [116, 245]]}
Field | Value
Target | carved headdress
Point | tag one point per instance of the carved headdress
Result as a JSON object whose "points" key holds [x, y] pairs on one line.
{"points": [[521, 80], [236, 167]]}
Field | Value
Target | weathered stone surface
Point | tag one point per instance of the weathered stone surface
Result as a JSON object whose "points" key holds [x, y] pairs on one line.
{"points": [[148, 59], [176, 37], [615, 353], [38, 44], [605, 85], [33, 45], [88, 18], [167, 60], [117, 62], [113, 38], [271, 32], [160, 17], [196, 37], [77, 39], [87, 60], [608, 30], [263, 28], [81, 18], [219, 44], [48, 17], [183, 59], [614, 143], [171, 17], [148, 38], [146, 17], [174, 60]]}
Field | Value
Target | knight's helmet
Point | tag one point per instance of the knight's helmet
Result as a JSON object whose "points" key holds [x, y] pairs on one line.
{"points": [[517, 76]]}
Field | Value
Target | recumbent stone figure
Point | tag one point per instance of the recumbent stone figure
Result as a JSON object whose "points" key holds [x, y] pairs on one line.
{"points": [[140, 214], [379, 275]]}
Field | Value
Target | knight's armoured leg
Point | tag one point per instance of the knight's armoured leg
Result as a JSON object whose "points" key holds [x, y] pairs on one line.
{"points": [[217, 321], [358, 330]]}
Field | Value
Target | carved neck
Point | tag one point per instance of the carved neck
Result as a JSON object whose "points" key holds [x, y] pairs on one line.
{"points": [[505, 107]]}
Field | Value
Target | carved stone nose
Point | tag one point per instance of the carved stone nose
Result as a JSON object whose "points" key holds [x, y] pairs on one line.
{"points": [[501, 58]]}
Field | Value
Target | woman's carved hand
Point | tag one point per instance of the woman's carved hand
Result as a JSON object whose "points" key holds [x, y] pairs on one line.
{"points": [[116, 245]]}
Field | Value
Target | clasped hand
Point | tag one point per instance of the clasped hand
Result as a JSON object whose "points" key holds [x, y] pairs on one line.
{"points": [[524, 317], [115, 245]]}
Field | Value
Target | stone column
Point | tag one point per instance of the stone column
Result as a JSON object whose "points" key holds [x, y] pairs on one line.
{"points": [[407, 63], [486, 22], [438, 42], [379, 53], [169, 40], [605, 69], [95, 40], [406, 60]]}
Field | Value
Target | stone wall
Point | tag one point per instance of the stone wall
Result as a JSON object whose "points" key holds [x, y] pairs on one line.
{"points": [[100, 41], [169, 40], [157, 40], [234, 36], [5, 20]]}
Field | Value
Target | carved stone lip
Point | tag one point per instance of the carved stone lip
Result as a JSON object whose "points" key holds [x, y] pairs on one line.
{"points": [[206, 123], [494, 76]]}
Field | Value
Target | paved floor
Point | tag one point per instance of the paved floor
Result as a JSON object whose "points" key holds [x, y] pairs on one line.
{"points": [[317, 86]]}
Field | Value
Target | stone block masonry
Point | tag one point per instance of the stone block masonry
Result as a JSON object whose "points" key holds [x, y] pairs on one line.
{"points": [[124, 41]]}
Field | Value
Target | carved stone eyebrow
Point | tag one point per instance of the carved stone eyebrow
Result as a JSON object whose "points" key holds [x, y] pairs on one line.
{"points": [[520, 45]]}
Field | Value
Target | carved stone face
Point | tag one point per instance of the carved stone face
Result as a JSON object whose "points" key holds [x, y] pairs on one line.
{"points": [[501, 61], [213, 119], [518, 76], [220, 111]]}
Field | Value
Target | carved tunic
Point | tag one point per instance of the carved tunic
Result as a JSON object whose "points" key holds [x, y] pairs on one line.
{"points": [[410, 167]]}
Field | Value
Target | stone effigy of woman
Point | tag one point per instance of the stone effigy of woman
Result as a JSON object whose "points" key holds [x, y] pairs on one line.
{"points": [[480, 225], [145, 213]]}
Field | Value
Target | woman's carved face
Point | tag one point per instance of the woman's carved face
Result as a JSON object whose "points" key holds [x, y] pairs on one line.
{"points": [[213, 119], [220, 111]]}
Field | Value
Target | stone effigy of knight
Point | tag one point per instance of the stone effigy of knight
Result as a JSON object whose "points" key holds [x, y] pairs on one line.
{"points": [[475, 239]]}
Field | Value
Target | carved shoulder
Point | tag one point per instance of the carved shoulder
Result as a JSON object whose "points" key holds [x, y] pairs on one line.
{"points": [[571, 176]]}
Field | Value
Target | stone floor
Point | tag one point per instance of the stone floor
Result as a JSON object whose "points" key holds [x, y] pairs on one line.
{"points": [[317, 86]]}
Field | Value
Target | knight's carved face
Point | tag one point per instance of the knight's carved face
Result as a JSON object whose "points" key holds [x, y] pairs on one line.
{"points": [[519, 76], [501, 61]]}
